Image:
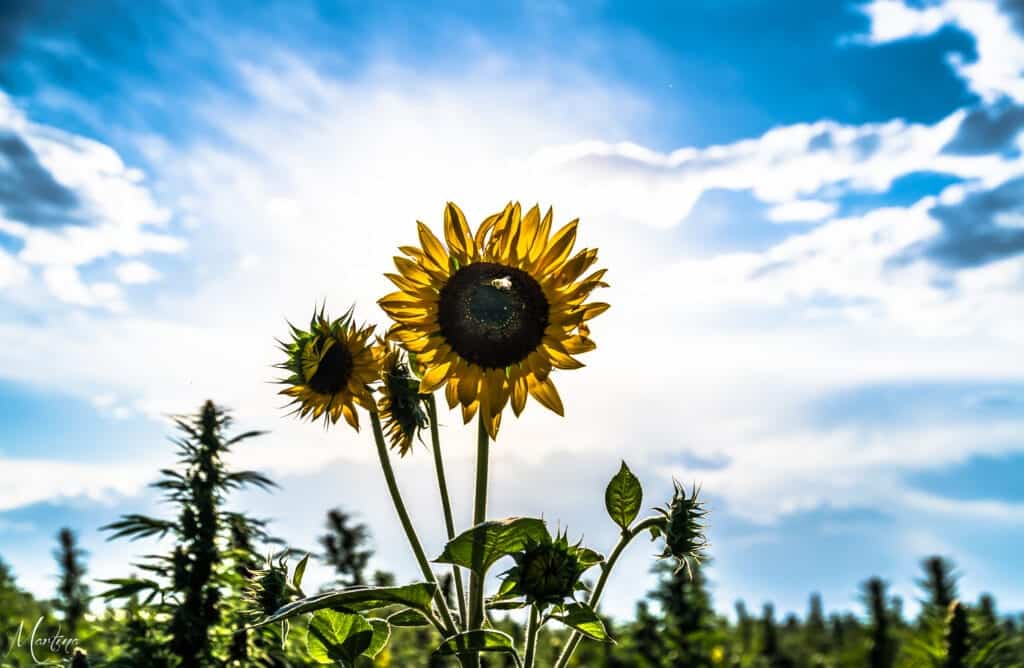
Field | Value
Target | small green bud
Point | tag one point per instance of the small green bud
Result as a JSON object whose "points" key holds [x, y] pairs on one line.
{"points": [[683, 528]]}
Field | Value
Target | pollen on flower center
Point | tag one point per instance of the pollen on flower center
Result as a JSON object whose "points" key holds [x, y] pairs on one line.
{"points": [[492, 315], [333, 372]]}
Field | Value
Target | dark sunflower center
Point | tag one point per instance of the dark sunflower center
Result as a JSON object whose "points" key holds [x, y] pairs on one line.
{"points": [[492, 315], [334, 371]]}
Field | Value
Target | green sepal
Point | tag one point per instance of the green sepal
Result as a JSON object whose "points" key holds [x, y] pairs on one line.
{"points": [[623, 497], [300, 570], [479, 547], [480, 640], [582, 617]]}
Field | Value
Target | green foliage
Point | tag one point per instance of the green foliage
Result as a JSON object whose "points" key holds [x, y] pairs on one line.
{"points": [[623, 497], [72, 592], [479, 547], [344, 547], [196, 610], [482, 640]]}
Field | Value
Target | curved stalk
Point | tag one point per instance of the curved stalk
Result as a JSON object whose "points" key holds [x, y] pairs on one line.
{"points": [[446, 504], [606, 570], [448, 627], [532, 631]]}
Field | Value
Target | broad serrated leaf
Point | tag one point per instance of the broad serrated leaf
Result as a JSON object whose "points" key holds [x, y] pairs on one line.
{"points": [[408, 617], [479, 547], [337, 638], [381, 635], [582, 618], [480, 640], [418, 596], [623, 497]]}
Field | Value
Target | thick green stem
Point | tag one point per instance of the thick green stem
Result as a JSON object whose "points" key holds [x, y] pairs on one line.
{"points": [[446, 504], [476, 581], [449, 627], [532, 631], [606, 570]]}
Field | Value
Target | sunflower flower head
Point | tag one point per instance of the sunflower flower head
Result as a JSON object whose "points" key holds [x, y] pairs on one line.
{"points": [[489, 314], [683, 528], [547, 571], [331, 366], [400, 405]]}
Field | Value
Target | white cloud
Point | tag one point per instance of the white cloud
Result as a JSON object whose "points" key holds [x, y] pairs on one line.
{"points": [[136, 273], [27, 481], [999, 45], [802, 211], [118, 215]]}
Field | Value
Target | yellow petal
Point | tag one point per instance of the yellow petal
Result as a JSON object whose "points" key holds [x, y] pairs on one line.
{"points": [[520, 390], [579, 344], [457, 234], [540, 241], [432, 247], [469, 411], [544, 391], [451, 391], [468, 382], [484, 229], [413, 272], [351, 416], [593, 309], [434, 377], [558, 249], [527, 232], [562, 360], [497, 390]]}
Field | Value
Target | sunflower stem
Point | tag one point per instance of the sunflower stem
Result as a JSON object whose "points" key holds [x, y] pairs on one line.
{"points": [[606, 570], [446, 504], [532, 631], [448, 626], [476, 581]]}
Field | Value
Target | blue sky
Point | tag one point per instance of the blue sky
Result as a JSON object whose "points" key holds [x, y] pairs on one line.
{"points": [[812, 215]]}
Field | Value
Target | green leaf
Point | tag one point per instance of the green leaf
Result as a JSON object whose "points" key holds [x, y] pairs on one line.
{"points": [[381, 635], [418, 596], [408, 617], [337, 638], [300, 570], [623, 497], [506, 605], [582, 618], [479, 547], [480, 640], [128, 587], [588, 557]]}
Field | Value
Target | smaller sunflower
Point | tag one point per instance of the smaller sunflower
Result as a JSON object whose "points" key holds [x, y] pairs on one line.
{"points": [[331, 366], [400, 405]]}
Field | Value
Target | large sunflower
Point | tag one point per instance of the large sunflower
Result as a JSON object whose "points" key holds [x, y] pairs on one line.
{"points": [[331, 366], [490, 315]]}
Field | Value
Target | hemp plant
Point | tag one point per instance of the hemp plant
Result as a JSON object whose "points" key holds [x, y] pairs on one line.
{"points": [[487, 317]]}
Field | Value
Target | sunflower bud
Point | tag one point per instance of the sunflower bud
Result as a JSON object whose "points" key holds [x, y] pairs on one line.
{"points": [[547, 571], [269, 589], [401, 404], [330, 367], [683, 528]]}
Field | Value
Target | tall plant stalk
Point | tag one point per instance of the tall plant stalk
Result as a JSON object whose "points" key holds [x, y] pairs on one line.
{"points": [[446, 503], [410, 531]]}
